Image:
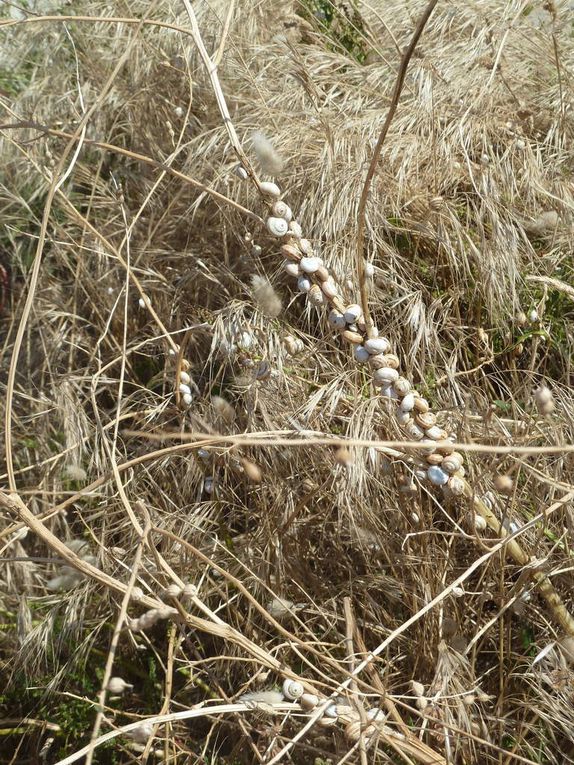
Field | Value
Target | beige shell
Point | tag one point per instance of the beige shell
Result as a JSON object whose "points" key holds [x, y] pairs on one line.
{"points": [[436, 433], [413, 431], [277, 226], [293, 689], [305, 246], [452, 462], [385, 375], [270, 189], [435, 459], [309, 701], [322, 274], [291, 252], [421, 404], [456, 485], [353, 730], [315, 295], [282, 210], [389, 360], [352, 337], [329, 288], [426, 419], [402, 385]]}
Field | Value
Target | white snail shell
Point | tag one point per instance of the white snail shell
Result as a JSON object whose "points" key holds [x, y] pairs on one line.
{"points": [[408, 403], [403, 417], [376, 345], [277, 226], [369, 270], [329, 288], [315, 295], [293, 689], [183, 388], [436, 433], [270, 189], [241, 172], [187, 399], [282, 210], [292, 269], [479, 522], [336, 319], [295, 229], [385, 376], [413, 431], [376, 715], [352, 313], [184, 378], [402, 386], [303, 284], [309, 701], [310, 265], [452, 462], [361, 354], [437, 475], [305, 246], [456, 485], [331, 711]]}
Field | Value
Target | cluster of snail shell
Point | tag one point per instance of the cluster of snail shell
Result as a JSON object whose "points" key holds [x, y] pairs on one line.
{"points": [[334, 712], [436, 460], [149, 618]]}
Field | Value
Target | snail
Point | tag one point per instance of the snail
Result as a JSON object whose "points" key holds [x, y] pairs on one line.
{"points": [[452, 462], [402, 386], [315, 295], [305, 246], [290, 252], [241, 172], [479, 522], [435, 459], [436, 433], [385, 375], [403, 417], [183, 388], [384, 360], [413, 431], [352, 313], [270, 189], [426, 419], [303, 284], [421, 404], [293, 689], [256, 250], [336, 319], [389, 392], [361, 353], [187, 399], [352, 337], [329, 288], [456, 485], [277, 226], [376, 345], [295, 229], [282, 210], [310, 264], [437, 475], [292, 269], [308, 701], [184, 378]]}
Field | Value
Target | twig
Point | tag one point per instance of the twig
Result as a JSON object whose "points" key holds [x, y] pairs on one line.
{"points": [[361, 214]]}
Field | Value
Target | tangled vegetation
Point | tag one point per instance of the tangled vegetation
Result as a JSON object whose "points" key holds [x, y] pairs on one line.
{"points": [[218, 545]]}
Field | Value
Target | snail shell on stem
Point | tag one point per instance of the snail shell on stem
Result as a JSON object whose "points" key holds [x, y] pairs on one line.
{"points": [[277, 226], [270, 189], [293, 689]]}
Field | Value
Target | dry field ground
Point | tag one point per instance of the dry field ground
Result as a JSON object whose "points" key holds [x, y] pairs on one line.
{"points": [[286, 367]]}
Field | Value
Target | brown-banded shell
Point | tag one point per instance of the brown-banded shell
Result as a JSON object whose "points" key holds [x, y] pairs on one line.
{"points": [[315, 295], [291, 252], [402, 386], [329, 288], [352, 337], [413, 431], [422, 405], [452, 462], [385, 375], [425, 419], [306, 247], [282, 210], [434, 459], [322, 274], [308, 701], [388, 360]]}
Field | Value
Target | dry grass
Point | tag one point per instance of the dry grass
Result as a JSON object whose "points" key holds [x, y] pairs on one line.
{"points": [[304, 558]]}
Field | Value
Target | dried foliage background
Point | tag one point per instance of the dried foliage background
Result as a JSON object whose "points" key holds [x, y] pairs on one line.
{"points": [[469, 225]]}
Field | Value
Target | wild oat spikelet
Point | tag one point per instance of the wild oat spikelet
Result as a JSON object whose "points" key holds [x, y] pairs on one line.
{"points": [[268, 301], [269, 159], [544, 400]]}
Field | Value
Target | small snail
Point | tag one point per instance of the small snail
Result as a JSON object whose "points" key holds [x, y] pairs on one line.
{"points": [[361, 354], [408, 403], [310, 264], [336, 319], [308, 701], [290, 252], [352, 313], [329, 288], [305, 246], [270, 189], [292, 269], [277, 226], [376, 345], [282, 210], [413, 431], [385, 375], [241, 172], [402, 386], [452, 462], [456, 486], [352, 337], [426, 419], [436, 433], [437, 475], [295, 229], [293, 689], [303, 284], [315, 295], [184, 378]]}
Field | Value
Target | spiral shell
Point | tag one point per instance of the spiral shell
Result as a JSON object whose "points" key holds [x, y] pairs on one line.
{"points": [[293, 689], [292, 269], [385, 376], [436, 433], [421, 404], [402, 386], [384, 360], [456, 485], [352, 337], [277, 226], [315, 295], [282, 210], [452, 462], [437, 475], [434, 459], [310, 264], [305, 246], [361, 354], [408, 403], [295, 229], [309, 701], [413, 431], [291, 252], [426, 419], [329, 288], [183, 388], [403, 417], [376, 345], [352, 313], [336, 319], [270, 189]]}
